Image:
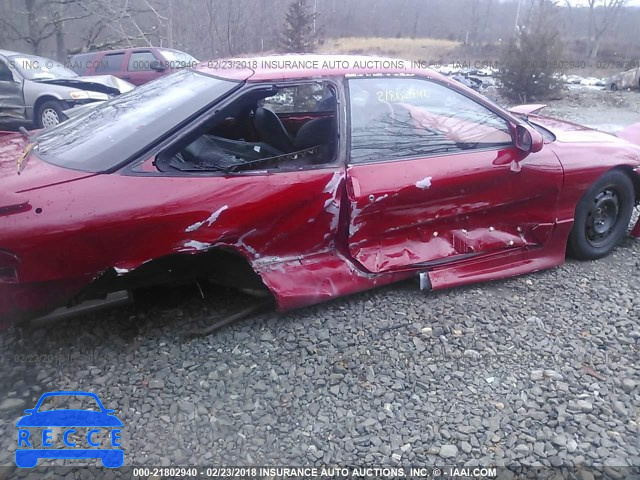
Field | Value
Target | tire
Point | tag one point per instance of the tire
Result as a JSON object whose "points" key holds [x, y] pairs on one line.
{"points": [[50, 114], [613, 87], [602, 216]]}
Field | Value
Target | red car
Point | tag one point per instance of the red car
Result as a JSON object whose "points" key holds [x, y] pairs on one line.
{"points": [[135, 65], [309, 176]]}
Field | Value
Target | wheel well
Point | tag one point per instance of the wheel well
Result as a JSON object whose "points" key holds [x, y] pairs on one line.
{"points": [[42, 100], [634, 177], [221, 266]]}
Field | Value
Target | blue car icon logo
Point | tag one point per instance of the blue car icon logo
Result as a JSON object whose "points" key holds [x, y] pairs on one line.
{"points": [[56, 429]]}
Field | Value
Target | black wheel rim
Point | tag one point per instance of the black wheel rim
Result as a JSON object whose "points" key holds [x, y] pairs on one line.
{"points": [[602, 218]]}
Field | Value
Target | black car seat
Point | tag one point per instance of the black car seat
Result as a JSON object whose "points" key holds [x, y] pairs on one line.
{"points": [[314, 133], [272, 131]]}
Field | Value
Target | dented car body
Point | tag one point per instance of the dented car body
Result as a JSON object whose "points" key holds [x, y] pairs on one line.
{"points": [[310, 182]]}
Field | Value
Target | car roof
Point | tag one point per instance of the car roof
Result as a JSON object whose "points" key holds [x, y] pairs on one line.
{"points": [[124, 50], [299, 66]]}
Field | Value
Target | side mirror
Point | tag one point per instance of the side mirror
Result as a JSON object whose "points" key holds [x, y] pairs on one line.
{"points": [[29, 411], [528, 139], [156, 66]]}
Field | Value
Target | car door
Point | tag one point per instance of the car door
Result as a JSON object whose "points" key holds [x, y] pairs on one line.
{"points": [[434, 177], [272, 208], [139, 69], [12, 105]]}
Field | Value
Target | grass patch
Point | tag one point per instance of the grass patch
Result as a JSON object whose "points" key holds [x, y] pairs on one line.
{"points": [[428, 49]]}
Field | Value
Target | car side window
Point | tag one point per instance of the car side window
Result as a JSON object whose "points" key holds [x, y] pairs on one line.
{"points": [[306, 98], [110, 63], [5, 72], [81, 62], [247, 135], [394, 118], [141, 61]]}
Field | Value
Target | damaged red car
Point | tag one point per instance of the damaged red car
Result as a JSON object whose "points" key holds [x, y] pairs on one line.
{"points": [[306, 181]]}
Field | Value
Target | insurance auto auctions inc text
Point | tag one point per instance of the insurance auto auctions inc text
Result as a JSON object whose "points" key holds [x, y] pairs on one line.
{"points": [[378, 472]]}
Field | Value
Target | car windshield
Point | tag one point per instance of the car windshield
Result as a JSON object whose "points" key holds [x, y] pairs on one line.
{"points": [[39, 68], [180, 58], [69, 402], [115, 131]]}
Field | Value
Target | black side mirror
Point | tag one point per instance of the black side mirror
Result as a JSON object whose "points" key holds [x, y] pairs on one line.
{"points": [[156, 66]]}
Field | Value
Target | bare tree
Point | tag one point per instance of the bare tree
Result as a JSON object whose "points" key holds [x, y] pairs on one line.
{"points": [[127, 23], [230, 30], [43, 20], [528, 71], [603, 15]]}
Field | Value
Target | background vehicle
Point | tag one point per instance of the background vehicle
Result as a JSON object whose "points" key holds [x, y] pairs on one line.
{"points": [[36, 91], [310, 183], [629, 79], [136, 65]]}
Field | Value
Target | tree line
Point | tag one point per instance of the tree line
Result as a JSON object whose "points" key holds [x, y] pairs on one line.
{"points": [[219, 28]]}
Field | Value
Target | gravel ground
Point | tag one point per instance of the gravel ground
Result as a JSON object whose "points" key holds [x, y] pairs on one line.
{"points": [[537, 370], [606, 111], [541, 369]]}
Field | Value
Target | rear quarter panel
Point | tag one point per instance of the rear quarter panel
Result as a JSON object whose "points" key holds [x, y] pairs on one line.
{"points": [[108, 221]]}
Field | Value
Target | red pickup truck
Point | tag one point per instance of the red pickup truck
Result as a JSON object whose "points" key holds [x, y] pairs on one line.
{"points": [[136, 65]]}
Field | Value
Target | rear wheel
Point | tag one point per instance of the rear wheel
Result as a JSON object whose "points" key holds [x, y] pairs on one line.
{"points": [[602, 216], [50, 114]]}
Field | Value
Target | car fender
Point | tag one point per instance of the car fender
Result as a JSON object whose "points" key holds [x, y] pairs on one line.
{"points": [[631, 134], [35, 93]]}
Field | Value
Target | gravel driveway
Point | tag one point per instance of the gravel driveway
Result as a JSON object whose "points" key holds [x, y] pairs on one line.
{"points": [[541, 369], [538, 370]]}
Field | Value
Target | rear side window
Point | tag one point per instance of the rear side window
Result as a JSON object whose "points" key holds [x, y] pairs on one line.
{"points": [[110, 63], [80, 63], [141, 61]]}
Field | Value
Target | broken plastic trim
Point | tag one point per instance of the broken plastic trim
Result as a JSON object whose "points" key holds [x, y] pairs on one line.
{"points": [[224, 321], [112, 300], [424, 281]]}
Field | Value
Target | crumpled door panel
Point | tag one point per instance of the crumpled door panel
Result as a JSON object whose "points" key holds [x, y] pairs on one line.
{"points": [[423, 212], [12, 105]]}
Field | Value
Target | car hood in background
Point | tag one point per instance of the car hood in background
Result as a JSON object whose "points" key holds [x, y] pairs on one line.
{"points": [[101, 83], [631, 133]]}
